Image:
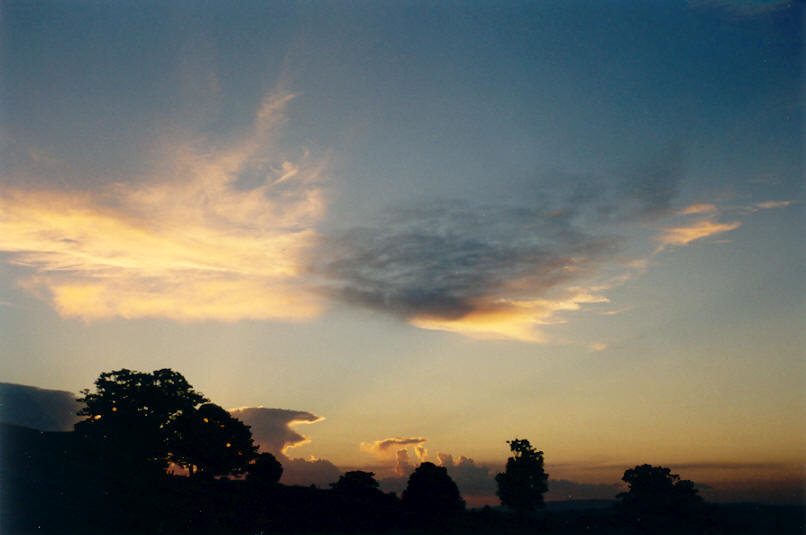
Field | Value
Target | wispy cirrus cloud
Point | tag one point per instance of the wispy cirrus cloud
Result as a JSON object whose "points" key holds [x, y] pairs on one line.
{"points": [[685, 234], [218, 232], [766, 205]]}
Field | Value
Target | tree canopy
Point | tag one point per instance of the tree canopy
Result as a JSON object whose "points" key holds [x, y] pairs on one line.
{"points": [[657, 496], [139, 419], [356, 482], [522, 484], [129, 415], [265, 469], [431, 492], [210, 441]]}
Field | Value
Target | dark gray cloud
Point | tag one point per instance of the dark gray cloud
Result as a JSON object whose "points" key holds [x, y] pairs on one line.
{"points": [[471, 478], [46, 410], [449, 258], [270, 427], [271, 430], [446, 258], [319, 472]]}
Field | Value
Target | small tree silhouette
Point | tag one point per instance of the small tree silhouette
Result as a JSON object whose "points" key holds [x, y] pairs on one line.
{"points": [[356, 483], [265, 470], [431, 493], [522, 485]]}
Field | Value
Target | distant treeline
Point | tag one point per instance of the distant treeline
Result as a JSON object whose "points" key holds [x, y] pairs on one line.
{"points": [[109, 475]]}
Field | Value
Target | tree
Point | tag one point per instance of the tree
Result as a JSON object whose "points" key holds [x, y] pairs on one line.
{"points": [[356, 483], [658, 497], [128, 417], [265, 470], [431, 493], [209, 440], [522, 484]]}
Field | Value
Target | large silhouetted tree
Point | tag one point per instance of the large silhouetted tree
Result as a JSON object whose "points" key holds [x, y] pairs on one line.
{"points": [[658, 497], [431, 493], [130, 414], [522, 484], [209, 440]]}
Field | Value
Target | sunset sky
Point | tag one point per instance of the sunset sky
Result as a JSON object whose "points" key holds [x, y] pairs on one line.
{"points": [[422, 228]]}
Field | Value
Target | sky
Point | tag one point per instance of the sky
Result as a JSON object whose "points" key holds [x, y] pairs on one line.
{"points": [[421, 229]]}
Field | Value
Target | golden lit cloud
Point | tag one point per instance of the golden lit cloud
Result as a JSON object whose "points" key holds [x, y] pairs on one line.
{"points": [[395, 452], [686, 234], [698, 209], [388, 446], [191, 243], [772, 204], [510, 319]]}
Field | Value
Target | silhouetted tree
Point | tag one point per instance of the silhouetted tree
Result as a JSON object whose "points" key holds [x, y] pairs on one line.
{"points": [[265, 470], [431, 493], [129, 416], [210, 441], [356, 483], [522, 484], [657, 497]]}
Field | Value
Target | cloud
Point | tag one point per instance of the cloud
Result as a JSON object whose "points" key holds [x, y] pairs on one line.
{"points": [[772, 204], [506, 270], [473, 480], [272, 431], [685, 234], [698, 209], [394, 451], [38, 408], [319, 472], [403, 466], [385, 446], [219, 230], [271, 428], [486, 272]]}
